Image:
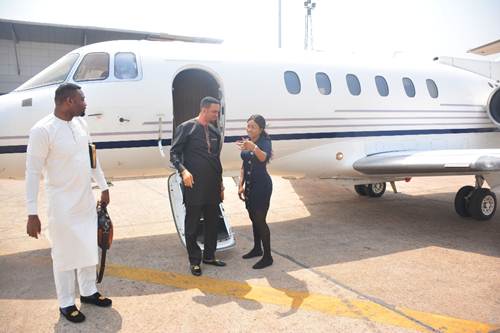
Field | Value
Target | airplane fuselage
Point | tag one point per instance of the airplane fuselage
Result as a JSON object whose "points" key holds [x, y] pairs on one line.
{"points": [[316, 131]]}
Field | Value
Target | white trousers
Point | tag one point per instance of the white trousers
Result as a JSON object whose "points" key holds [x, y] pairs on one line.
{"points": [[65, 284]]}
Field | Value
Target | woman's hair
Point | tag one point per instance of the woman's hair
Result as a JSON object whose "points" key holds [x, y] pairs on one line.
{"points": [[261, 122]]}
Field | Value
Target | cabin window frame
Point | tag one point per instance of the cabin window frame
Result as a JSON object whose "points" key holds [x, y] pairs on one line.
{"points": [[432, 88], [353, 84], [381, 84], [408, 84], [323, 83], [291, 75]]}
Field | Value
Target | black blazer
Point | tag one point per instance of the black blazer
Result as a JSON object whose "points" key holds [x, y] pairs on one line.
{"points": [[191, 151]]}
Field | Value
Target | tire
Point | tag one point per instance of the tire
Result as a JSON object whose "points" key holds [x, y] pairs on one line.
{"points": [[462, 201], [360, 189], [375, 190], [482, 204]]}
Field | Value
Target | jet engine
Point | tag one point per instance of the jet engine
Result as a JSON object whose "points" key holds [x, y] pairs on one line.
{"points": [[493, 107]]}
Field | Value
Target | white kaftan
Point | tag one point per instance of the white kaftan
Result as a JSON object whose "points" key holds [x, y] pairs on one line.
{"points": [[59, 149]]}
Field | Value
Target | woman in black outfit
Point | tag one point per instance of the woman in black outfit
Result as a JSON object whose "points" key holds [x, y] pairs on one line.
{"points": [[256, 186]]}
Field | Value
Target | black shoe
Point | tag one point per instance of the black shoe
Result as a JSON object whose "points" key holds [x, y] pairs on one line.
{"points": [[96, 299], [72, 314], [195, 270], [215, 262], [253, 253], [264, 262]]}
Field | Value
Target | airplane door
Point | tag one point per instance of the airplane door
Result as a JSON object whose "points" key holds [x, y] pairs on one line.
{"points": [[225, 235], [188, 88]]}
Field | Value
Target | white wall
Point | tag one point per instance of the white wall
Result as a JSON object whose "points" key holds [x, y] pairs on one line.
{"points": [[33, 57]]}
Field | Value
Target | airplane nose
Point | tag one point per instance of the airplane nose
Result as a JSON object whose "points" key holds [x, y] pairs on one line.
{"points": [[9, 107], [12, 142]]}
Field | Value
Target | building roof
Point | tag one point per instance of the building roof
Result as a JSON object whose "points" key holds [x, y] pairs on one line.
{"points": [[82, 35]]}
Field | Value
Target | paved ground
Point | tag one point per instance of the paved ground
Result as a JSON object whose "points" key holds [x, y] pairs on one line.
{"points": [[343, 263]]}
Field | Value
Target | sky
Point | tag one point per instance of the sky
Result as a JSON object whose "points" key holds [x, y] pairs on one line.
{"points": [[378, 27]]}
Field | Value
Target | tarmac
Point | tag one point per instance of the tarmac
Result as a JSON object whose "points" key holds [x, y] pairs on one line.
{"points": [[342, 263]]}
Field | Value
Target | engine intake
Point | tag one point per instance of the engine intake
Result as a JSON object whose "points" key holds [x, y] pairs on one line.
{"points": [[493, 107]]}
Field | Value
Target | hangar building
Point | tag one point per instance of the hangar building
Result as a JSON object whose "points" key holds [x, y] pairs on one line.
{"points": [[28, 47]]}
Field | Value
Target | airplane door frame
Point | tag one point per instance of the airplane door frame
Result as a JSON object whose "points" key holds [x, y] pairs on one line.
{"points": [[189, 77]]}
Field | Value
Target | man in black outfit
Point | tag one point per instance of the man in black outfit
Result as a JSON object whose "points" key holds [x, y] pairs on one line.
{"points": [[195, 153]]}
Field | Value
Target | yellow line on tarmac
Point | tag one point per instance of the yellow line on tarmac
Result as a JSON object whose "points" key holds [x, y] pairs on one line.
{"points": [[358, 309]]}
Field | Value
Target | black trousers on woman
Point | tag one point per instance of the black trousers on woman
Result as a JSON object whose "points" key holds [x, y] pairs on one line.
{"points": [[260, 228]]}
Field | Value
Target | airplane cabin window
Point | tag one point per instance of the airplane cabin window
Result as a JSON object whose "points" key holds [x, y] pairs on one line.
{"points": [[432, 88], [409, 87], [353, 84], [94, 66], [323, 83], [54, 74], [382, 87], [125, 66], [292, 82]]}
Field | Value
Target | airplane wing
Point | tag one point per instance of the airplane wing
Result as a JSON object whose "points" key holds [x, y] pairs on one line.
{"points": [[435, 162]]}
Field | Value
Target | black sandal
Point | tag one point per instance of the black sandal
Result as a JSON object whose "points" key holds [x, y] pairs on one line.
{"points": [[72, 314], [96, 299]]}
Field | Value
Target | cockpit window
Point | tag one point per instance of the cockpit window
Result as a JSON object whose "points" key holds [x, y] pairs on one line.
{"points": [[94, 66], [125, 66], [54, 74]]}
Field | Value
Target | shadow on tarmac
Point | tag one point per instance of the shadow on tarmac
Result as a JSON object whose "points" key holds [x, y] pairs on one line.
{"points": [[342, 227]]}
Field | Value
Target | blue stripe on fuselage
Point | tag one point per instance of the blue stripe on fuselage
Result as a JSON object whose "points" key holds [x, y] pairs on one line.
{"points": [[276, 137]]}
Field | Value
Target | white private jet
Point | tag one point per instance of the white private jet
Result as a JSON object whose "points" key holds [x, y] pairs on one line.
{"points": [[360, 122]]}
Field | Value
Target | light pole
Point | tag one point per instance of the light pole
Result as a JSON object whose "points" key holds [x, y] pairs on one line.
{"points": [[279, 24], [309, 5]]}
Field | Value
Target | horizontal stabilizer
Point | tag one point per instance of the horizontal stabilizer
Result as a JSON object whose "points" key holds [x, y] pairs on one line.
{"points": [[487, 49]]}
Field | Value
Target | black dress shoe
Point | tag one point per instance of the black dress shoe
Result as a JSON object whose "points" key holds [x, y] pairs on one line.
{"points": [[195, 270], [215, 262], [264, 262], [96, 299], [72, 314], [252, 254]]}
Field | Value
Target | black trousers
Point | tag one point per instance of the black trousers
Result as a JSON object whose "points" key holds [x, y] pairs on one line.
{"points": [[261, 232], [210, 216]]}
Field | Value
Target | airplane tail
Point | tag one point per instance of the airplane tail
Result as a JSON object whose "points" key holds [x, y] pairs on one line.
{"points": [[489, 69]]}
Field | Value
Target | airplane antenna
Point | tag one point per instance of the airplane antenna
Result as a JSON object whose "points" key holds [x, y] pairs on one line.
{"points": [[309, 5]]}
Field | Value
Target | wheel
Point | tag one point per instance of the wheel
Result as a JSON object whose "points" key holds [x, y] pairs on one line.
{"points": [[360, 189], [482, 204], [462, 200], [375, 190]]}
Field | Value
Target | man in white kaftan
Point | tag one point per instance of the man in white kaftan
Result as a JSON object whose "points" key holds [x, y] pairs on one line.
{"points": [[58, 149]]}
